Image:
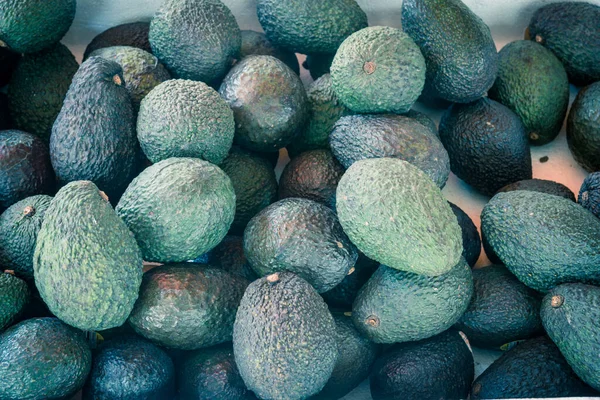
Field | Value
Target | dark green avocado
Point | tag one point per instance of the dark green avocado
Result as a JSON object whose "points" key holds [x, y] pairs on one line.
{"points": [[533, 83], [8, 63], [440, 367], [133, 34], [533, 369], [229, 255], [589, 194], [14, 299], [42, 358], [542, 186], [487, 145], [256, 44], [583, 128], [470, 235], [38, 88], [343, 294], [318, 64], [489, 252]]}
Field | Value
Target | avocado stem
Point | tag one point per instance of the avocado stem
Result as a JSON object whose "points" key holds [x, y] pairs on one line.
{"points": [[557, 301], [29, 211]]}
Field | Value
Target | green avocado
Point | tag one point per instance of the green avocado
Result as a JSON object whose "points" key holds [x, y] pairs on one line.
{"points": [[589, 193], [256, 44], [229, 255], [570, 30], [397, 216], [88, 288], [42, 358], [38, 88], [318, 64], [343, 294], [15, 296], [470, 235], [542, 186], [183, 118], [133, 34], [378, 70], [284, 329], [558, 240], [487, 145], [583, 128]]}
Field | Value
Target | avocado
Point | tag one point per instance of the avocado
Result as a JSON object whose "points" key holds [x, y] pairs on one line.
{"points": [[25, 168], [211, 374], [93, 137], [187, 306], [583, 128], [195, 39], [356, 355], [489, 252], [183, 118], [38, 88], [324, 111], [84, 287], [178, 209], [396, 306], [358, 137], [300, 236], [558, 240], [269, 103], [283, 329], [533, 369], [8, 63], [470, 235], [533, 83], [5, 120], [130, 368], [256, 44], [487, 145], [570, 318], [141, 70], [589, 194], [318, 64], [42, 358], [397, 216], [458, 47], [542, 186], [15, 296], [440, 367], [19, 227], [378, 70], [254, 183], [29, 26], [229, 255], [502, 309], [570, 30], [133, 34], [343, 294], [424, 120], [312, 175], [310, 26]]}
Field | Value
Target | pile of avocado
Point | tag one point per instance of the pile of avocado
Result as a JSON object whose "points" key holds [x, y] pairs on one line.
{"points": [[154, 245]]}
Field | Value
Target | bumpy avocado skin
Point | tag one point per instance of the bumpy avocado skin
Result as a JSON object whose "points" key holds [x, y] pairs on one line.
{"points": [[358, 137], [558, 240], [130, 368], [470, 235], [440, 367], [178, 209], [397, 216], [589, 194], [28, 26], [583, 128], [38, 88], [458, 47], [274, 312], [211, 374], [318, 64], [502, 309], [133, 34], [424, 120], [570, 30], [183, 118], [195, 39], [343, 294], [542, 186], [19, 227], [93, 137], [396, 306], [256, 44], [300, 236], [532, 369], [269, 103], [378, 70], [533, 83], [42, 358], [15, 296], [310, 26], [229, 255], [487, 145]]}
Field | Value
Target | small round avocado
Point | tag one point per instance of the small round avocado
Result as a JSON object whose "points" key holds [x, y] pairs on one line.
{"points": [[542, 186], [470, 235], [589, 194], [318, 64], [256, 44], [133, 34], [15, 296], [583, 128]]}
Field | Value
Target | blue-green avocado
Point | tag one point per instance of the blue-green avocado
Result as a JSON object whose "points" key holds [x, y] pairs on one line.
{"points": [[470, 235], [583, 128], [589, 193], [14, 299], [542, 186]]}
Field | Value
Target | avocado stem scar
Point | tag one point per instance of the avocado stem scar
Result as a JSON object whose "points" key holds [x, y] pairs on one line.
{"points": [[117, 80], [557, 301], [29, 211], [373, 321], [369, 67], [273, 278]]}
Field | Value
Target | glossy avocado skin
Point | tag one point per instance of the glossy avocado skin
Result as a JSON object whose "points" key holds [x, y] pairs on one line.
{"points": [[487, 145], [229, 255], [133, 34], [256, 43], [43, 359], [589, 194], [263, 349], [343, 294], [583, 128], [570, 30], [15, 296], [440, 367], [470, 235], [318, 64], [310, 26], [533, 369], [38, 88], [533, 83], [502, 309], [458, 48], [129, 367], [542, 186], [559, 241]]}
